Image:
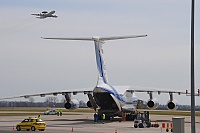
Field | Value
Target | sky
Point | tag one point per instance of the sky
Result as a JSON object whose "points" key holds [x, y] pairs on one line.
{"points": [[29, 64]]}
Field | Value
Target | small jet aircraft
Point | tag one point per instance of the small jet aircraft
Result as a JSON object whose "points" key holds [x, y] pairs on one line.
{"points": [[45, 14]]}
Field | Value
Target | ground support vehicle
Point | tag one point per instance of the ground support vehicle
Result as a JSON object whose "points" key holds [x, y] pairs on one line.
{"points": [[142, 120], [50, 112], [31, 124]]}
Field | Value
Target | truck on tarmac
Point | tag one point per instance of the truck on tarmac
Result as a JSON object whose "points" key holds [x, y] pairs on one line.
{"points": [[142, 120]]}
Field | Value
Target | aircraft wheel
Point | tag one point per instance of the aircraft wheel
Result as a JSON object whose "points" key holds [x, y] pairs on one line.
{"points": [[107, 117]]}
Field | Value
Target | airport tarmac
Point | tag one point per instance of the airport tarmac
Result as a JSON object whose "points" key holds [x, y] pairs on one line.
{"points": [[83, 123]]}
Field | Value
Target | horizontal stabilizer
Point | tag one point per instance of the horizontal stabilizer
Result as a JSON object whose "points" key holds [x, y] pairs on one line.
{"points": [[121, 37], [84, 39], [98, 38]]}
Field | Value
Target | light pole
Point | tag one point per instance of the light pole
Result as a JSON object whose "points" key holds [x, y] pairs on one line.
{"points": [[193, 130]]}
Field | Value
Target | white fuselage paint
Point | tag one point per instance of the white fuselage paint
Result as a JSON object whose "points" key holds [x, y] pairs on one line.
{"points": [[102, 86]]}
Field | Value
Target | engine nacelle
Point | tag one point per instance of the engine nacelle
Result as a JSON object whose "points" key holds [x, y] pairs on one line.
{"points": [[89, 105], [152, 103], [172, 105], [73, 104]]}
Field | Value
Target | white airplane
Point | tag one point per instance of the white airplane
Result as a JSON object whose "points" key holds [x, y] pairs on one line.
{"points": [[45, 14], [105, 98]]}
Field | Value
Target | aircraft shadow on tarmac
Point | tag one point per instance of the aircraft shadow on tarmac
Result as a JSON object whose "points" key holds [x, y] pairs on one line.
{"points": [[72, 122]]}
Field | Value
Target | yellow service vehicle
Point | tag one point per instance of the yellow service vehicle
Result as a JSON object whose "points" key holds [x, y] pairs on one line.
{"points": [[31, 124]]}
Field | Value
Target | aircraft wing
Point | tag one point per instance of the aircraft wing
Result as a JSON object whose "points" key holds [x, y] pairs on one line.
{"points": [[50, 13], [74, 92], [155, 90], [36, 14]]}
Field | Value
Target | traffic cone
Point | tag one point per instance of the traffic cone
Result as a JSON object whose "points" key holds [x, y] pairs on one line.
{"points": [[72, 129], [115, 130], [163, 125], [13, 127]]}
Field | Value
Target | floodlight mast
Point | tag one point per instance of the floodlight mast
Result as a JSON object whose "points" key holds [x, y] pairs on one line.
{"points": [[193, 130]]}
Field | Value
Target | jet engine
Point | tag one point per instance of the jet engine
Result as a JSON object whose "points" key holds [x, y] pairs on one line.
{"points": [[89, 105], [73, 104], [152, 103], [172, 105]]}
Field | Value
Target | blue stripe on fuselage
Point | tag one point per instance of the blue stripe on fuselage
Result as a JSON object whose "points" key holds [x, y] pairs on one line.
{"points": [[100, 62]]}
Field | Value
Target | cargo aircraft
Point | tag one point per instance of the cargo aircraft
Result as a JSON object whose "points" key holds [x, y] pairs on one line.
{"points": [[45, 14], [104, 97]]}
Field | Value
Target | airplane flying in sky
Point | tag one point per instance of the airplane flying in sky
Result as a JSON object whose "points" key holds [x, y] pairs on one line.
{"points": [[45, 14], [105, 98]]}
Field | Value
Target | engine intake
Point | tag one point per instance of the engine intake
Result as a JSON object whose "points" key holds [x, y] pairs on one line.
{"points": [[171, 105], [73, 104], [89, 104], [152, 103], [68, 105]]}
